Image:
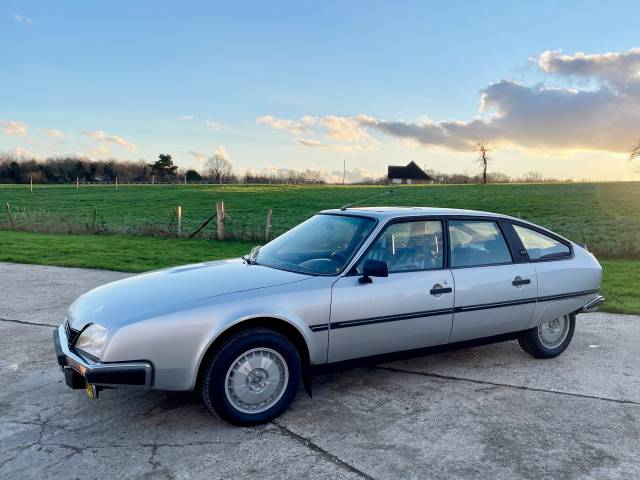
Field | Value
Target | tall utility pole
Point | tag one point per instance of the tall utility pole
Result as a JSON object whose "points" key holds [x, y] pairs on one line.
{"points": [[344, 169]]}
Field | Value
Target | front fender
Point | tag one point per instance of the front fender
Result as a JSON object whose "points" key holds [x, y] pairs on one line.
{"points": [[175, 344]]}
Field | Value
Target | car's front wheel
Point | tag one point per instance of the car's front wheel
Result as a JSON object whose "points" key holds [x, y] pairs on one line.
{"points": [[253, 377], [549, 339]]}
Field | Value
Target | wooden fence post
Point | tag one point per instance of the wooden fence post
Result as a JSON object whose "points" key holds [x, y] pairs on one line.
{"points": [[13, 225], [77, 183], [95, 218], [220, 220], [267, 227], [179, 221], [31, 183]]}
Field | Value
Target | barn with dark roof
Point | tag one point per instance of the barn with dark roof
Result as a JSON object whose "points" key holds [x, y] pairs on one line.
{"points": [[411, 173]]}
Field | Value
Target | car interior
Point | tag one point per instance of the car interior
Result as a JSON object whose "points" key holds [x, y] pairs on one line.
{"points": [[409, 246]]}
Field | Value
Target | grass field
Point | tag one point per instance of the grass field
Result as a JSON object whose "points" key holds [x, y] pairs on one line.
{"points": [[621, 282], [606, 216]]}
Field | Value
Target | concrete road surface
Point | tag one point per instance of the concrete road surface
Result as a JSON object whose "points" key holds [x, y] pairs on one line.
{"points": [[486, 412]]}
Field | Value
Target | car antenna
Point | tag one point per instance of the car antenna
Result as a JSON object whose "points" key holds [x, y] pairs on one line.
{"points": [[365, 199]]}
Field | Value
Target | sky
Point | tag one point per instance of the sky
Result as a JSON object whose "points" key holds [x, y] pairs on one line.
{"points": [[552, 87]]}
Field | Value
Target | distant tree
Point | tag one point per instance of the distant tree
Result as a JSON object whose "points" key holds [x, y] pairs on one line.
{"points": [[218, 166], [108, 171], [192, 175], [14, 173], [163, 167], [483, 159], [533, 177], [79, 170], [498, 177], [634, 156]]}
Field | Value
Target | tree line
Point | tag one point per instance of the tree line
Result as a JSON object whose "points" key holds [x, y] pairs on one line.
{"points": [[216, 169]]}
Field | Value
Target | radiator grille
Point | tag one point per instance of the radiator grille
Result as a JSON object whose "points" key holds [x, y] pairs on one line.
{"points": [[71, 333]]}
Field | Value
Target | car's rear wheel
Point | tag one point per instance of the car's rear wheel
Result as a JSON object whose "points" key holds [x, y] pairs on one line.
{"points": [[253, 377], [549, 339]]}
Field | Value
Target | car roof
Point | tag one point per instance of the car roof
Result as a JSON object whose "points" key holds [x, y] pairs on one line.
{"points": [[395, 212]]}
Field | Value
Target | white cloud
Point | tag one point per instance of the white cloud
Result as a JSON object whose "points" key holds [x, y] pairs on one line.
{"points": [[350, 147], [348, 130], [200, 156], [610, 66], [213, 125], [11, 127], [546, 117], [21, 153], [102, 136], [53, 133], [343, 128], [294, 127], [186, 117], [98, 152], [604, 116], [222, 151], [22, 19]]}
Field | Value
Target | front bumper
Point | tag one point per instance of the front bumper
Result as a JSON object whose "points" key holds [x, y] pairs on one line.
{"points": [[79, 371]]}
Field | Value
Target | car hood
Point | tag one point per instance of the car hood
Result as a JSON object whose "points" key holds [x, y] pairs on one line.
{"points": [[165, 291]]}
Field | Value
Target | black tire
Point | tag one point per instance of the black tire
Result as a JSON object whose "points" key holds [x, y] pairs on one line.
{"points": [[214, 377], [530, 341]]}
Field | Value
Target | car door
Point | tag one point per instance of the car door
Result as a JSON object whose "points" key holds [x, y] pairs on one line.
{"points": [[494, 293], [564, 285], [411, 308]]}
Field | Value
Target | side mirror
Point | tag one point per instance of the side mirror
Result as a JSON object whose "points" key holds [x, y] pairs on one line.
{"points": [[373, 268]]}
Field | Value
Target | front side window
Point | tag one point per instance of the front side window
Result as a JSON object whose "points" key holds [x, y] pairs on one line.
{"points": [[408, 246], [475, 243], [540, 246], [320, 246]]}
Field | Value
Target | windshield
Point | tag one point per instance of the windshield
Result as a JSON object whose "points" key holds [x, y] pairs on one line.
{"points": [[320, 246]]}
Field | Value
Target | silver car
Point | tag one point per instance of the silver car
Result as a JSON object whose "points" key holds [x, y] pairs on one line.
{"points": [[346, 284]]}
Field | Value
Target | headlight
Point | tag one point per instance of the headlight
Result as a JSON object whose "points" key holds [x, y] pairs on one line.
{"points": [[92, 340]]}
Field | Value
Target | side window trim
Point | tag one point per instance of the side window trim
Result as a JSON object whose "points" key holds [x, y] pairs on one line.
{"points": [[445, 244], [549, 234], [478, 218]]}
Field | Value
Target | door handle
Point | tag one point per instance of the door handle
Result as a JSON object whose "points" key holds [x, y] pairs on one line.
{"points": [[437, 290], [517, 282]]}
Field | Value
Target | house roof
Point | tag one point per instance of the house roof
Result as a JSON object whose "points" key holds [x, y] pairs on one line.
{"points": [[412, 171]]}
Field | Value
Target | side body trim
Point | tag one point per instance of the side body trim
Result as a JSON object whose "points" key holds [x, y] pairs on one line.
{"points": [[431, 313]]}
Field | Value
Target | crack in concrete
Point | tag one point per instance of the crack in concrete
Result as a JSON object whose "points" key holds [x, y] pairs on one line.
{"points": [[506, 385], [155, 465], [321, 451], [24, 322]]}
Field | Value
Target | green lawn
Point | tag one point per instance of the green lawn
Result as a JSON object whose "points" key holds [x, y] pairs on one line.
{"points": [[621, 284], [604, 215], [113, 252]]}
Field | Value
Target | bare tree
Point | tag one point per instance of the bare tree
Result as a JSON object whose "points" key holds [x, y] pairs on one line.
{"points": [[483, 159], [218, 166], [532, 177], [634, 156]]}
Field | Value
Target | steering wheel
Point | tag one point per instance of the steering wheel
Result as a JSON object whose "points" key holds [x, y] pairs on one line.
{"points": [[338, 257], [324, 265]]}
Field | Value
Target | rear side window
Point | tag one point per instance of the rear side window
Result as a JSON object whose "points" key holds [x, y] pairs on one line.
{"points": [[540, 246], [475, 243]]}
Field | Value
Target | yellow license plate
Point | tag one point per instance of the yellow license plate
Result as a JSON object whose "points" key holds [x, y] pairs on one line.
{"points": [[91, 391]]}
